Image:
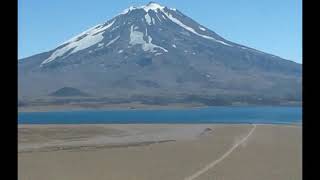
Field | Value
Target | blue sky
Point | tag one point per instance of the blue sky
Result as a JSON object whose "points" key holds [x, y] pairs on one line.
{"points": [[271, 26]]}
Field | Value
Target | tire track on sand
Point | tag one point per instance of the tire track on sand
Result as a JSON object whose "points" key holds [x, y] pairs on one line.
{"points": [[226, 154]]}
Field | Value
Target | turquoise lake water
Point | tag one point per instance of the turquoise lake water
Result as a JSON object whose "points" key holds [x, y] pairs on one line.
{"points": [[258, 115]]}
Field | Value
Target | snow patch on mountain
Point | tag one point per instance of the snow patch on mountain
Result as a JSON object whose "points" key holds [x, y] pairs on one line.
{"points": [[191, 29], [158, 17], [112, 41], [100, 44], [152, 6], [148, 18], [202, 29], [91, 37], [125, 11], [136, 37]]}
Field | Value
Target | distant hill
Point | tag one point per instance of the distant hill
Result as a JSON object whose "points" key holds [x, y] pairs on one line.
{"points": [[67, 92]]}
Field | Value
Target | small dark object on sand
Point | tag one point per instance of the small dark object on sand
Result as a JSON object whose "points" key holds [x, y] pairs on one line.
{"points": [[206, 131]]}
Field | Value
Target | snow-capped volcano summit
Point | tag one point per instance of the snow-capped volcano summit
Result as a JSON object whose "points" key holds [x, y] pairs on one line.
{"points": [[139, 26], [154, 49], [150, 6]]}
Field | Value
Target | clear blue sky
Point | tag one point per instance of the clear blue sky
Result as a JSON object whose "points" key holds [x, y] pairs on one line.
{"points": [[273, 26]]}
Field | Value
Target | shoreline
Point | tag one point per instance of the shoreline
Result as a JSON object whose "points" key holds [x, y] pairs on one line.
{"points": [[63, 109], [126, 107], [300, 124], [165, 124]]}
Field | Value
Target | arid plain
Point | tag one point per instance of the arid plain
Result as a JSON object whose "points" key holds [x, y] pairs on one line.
{"points": [[158, 152]]}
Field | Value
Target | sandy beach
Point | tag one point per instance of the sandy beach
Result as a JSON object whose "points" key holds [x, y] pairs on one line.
{"points": [[158, 152]]}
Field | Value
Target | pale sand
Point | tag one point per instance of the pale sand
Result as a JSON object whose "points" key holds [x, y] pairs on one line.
{"points": [[125, 152]]}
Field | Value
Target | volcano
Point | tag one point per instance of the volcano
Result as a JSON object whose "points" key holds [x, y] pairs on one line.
{"points": [[156, 54]]}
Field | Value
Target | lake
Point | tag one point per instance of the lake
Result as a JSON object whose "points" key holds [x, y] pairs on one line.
{"points": [[257, 115]]}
